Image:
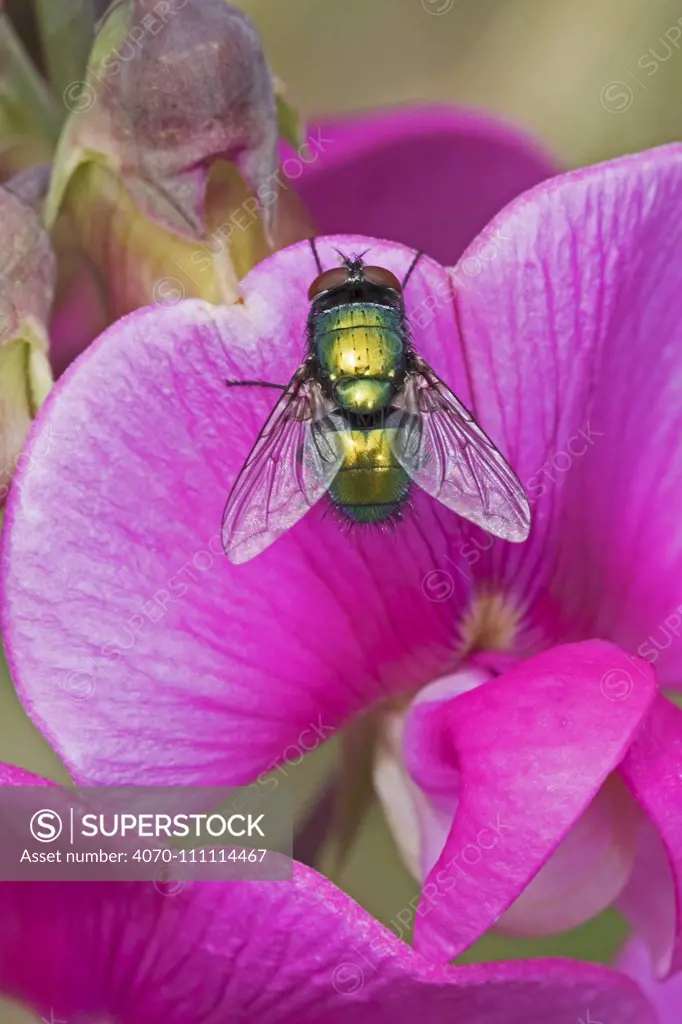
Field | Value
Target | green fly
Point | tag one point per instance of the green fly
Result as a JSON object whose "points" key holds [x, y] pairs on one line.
{"points": [[362, 418]]}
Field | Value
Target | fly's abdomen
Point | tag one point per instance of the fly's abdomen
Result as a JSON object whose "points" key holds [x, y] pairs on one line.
{"points": [[360, 348], [371, 484]]}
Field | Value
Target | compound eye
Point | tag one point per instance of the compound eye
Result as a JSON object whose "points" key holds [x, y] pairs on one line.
{"points": [[328, 280], [383, 277]]}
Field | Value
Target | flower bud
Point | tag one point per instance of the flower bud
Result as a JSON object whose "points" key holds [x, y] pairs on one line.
{"points": [[27, 276], [168, 163]]}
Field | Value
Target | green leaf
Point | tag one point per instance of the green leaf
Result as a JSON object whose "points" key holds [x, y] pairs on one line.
{"points": [[20, 742], [67, 30], [26, 107], [289, 121]]}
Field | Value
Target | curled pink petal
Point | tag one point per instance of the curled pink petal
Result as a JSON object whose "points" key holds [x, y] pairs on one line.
{"points": [[533, 747], [635, 961], [588, 870], [648, 900], [585, 873], [652, 770]]}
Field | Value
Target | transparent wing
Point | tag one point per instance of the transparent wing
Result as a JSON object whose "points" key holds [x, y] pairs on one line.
{"points": [[440, 445], [296, 457]]}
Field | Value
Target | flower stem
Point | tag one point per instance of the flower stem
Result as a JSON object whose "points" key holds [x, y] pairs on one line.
{"points": [[67, 30], [25, 101]]}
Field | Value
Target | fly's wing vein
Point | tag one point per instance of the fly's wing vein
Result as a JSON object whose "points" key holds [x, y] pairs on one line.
{"points": [[440, 445], [296, 457]]}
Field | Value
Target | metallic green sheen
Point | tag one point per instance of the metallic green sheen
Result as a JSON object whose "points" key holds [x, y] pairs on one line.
{"points": [[371, 483], [360, 340], [363, 395]]}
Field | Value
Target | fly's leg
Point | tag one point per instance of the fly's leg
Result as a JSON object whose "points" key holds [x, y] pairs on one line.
{"points": [[254, 384]]}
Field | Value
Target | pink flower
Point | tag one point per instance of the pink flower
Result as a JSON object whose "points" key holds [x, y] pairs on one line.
{"points": [[278, 953], [566, 344]]}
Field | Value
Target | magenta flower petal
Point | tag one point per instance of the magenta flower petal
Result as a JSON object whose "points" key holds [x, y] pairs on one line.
{"points": [[429, 177], [533, 747], [666, 996], [230, 667], [10, 775], [280, 953], [648, 900], [573, 339], [652, 770], [586, 872]]}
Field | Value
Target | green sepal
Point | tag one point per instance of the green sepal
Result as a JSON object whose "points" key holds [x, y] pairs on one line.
{"points": [[289, 122]]}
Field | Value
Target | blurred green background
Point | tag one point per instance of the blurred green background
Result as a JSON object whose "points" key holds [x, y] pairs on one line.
{"points": [[591, 79], [543, 63]]}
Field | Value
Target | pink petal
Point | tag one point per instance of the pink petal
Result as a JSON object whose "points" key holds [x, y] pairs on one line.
{"points": [[652, 771], [587, 871], [418, 825], [429, 177], [421, 802], [280, 953], [115, 584], [10, 775], [573, 339], [292, 953], [533, 747], [648, 900], [665, 996]]}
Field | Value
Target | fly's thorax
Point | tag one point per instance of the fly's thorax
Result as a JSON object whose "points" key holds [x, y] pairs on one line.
{"points": [[371, 483], [360, 348], [362, 395]]}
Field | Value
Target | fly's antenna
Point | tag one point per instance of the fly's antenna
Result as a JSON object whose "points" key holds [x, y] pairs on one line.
{"points": [[411, 267], [315, 255], [353, 258]]}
